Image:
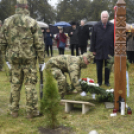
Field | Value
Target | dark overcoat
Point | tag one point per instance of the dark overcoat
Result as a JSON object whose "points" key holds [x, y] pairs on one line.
{"points": [[74, 36], [48, 38], [102, 40], [83, 35]]}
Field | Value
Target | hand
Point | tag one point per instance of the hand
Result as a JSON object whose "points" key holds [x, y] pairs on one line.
{"points": [[42, 30], [50, 34], [9, 66], [94, 53], [42, 66], [83, 93], [74, 92], [71, 33]]}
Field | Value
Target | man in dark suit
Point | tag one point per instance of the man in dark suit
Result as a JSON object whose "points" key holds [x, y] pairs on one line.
{"points": [[102, 45], [83, 36]]}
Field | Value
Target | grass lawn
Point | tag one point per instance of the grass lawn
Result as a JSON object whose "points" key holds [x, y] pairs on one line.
{"points": [[97, 118]]}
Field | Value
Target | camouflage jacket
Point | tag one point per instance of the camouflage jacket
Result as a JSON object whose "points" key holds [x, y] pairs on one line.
{"points": [[21, 37], [70, 64]]}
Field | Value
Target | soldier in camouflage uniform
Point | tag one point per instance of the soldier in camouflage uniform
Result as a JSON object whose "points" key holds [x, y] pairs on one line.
{"points": [[22, 42], [1, 55], [70, 64]]}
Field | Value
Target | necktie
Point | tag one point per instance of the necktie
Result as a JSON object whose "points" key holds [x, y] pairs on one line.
{"points": [[104, 26]]}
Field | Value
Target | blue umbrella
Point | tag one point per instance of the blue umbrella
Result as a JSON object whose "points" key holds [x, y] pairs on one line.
{"points": [[62, 24]]}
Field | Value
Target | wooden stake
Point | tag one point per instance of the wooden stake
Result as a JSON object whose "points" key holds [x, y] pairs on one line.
{"points": [[120, 53]]}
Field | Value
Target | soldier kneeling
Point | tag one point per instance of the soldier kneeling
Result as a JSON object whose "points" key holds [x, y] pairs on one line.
{"points": [[70, 64]]}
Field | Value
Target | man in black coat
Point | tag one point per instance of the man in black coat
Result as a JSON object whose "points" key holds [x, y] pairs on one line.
{"points": [[83, 36], [74, 38], [102, 45]]}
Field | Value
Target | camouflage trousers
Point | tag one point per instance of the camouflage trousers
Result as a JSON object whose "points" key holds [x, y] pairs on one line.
{"points": [[2, 58], [63, 86], [28, 74]]}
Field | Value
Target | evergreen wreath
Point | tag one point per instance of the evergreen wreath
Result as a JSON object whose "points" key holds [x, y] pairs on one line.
{"points": [[102, 95], [105, 98], [93, 89]]}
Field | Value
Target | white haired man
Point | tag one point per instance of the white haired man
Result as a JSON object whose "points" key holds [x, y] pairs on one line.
{"points": [[102, 45]]}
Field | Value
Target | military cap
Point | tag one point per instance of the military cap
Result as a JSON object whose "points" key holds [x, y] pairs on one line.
{"points": [[89, 56], [22, 2]]}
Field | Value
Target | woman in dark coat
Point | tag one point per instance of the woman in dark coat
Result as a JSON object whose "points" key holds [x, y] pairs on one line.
{"points": [[74, 43], [48, 41]]}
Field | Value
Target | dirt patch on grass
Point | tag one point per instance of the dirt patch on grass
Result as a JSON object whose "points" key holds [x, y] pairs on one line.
{"points": [[58, 130]]}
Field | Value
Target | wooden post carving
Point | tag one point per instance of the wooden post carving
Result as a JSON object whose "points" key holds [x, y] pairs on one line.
{"points": [[120, 53]]}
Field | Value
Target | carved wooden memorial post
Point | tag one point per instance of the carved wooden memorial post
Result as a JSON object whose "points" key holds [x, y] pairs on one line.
{"points": [[120, 53]]}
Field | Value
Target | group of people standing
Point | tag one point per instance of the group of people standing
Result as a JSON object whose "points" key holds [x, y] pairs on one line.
{"points": [[78, 37]]}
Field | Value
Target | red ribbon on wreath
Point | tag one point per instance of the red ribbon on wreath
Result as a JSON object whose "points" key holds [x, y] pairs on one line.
{"points": [[88, 80]]}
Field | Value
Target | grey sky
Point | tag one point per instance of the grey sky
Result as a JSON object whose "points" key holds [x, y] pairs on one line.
{"points": [[53, 2]]}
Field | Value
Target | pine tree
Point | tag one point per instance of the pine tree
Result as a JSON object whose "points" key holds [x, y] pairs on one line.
{"points": [[96, 7], [7, 8], [130, 11], [39, 9], [50, 101], [69, 10]]}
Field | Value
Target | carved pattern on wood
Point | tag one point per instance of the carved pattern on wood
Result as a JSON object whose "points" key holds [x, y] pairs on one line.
{"points": [[121, 10], [120, 39], [121, 21], [120, 49]]}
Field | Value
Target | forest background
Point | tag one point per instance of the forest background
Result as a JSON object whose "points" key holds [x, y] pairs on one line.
{"points": [[67, 10]]}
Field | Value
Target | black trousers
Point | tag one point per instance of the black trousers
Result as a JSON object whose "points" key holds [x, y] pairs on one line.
{"points": [[99, 66], [72, 47], [83, 49], [130, 56], [51, 49], [61, 51]]}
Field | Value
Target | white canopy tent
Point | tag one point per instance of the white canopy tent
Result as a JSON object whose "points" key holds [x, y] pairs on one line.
{"points": [[42, 24]]}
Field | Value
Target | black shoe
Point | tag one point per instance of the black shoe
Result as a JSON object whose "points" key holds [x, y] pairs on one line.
{"points": [[100, 84], [107, 84]]}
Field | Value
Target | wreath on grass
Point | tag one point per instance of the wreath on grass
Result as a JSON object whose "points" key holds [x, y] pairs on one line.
{"points": [[102, 94], [92, 89]]}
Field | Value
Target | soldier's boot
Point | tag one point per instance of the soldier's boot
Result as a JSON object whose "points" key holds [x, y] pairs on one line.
{"points": [[62, 95], [1, 67], [29, 116], [14, 114], [61, 92], [37, 114], [2, 70], [33, 115]]}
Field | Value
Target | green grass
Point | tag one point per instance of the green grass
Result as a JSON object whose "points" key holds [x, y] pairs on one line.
{"points": [[97, 118]]}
